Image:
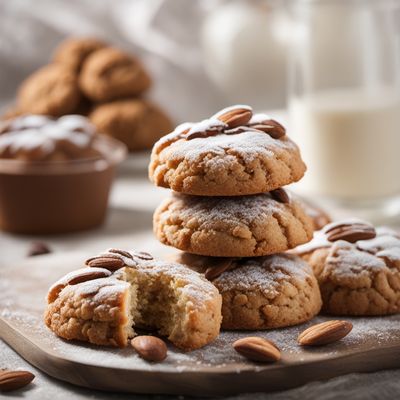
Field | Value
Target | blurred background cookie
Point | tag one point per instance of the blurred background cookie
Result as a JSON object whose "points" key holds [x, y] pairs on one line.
{"points": [[73, 52], [87, 76], [137, 123], [110, 74], [52, 90]]}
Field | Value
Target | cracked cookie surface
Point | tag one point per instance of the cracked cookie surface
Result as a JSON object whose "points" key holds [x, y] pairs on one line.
{"points": [[360, 278], [243, 226], [264, 292], [247, 163]]}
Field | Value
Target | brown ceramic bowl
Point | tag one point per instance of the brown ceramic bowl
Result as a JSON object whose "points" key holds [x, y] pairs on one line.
{"points": [[58, 197]]}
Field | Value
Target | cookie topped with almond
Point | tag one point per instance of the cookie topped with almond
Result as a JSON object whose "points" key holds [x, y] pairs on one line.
{"points": [[234, 152], [357, 267]]}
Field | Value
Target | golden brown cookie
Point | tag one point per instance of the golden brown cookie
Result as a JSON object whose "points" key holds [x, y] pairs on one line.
{"points": [[260, 293], [121, 290], [357, 267], [110, 74], [52, 90], [244, 226], [232, 153], [137, 123], [73, 52]]}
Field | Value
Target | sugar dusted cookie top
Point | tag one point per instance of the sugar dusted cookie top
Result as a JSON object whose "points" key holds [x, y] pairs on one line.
{"points": [[357, 266], [235, 152], [40, 138], [244, 226]]}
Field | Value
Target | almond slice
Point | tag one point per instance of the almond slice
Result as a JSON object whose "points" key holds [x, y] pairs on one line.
{"points": [[257, 349], [13, 380], [325, 333], [150, 348]]}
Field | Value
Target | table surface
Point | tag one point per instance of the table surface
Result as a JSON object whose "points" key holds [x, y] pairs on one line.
{"points": [[133, 201]]}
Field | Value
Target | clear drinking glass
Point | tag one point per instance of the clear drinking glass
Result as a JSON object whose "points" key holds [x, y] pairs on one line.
{"points": [[344, 103]]}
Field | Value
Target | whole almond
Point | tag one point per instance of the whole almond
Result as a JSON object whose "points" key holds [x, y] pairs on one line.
{"points": [[218, 268], [325, 333], [13, 380], [38, 249], [142, 255], [235, 117], [280, 195], [350, 232], [150, 348], [270, 126], [88, 276], [257, 349], [107, 262], [121, 253]]}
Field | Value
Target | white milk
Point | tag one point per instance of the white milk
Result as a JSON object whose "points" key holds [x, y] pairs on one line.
{"points": [[350, 141]]}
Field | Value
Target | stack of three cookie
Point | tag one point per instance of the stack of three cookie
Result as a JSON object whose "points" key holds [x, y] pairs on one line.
{"points": [[231, 218]]}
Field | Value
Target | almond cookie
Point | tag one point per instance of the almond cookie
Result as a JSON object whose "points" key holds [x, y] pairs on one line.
{"points": [[137, 123], [110, 74], [73, 52], [52, 90], [357, 267], [120, 291], [243, 226], [233, 153], [260, 293]]}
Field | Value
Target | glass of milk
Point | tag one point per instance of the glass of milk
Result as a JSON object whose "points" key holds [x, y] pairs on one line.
{"points": [[344, 103]]}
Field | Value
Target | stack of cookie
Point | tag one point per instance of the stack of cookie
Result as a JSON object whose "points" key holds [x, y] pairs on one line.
{"points": [[233, 220], [90, 78]]}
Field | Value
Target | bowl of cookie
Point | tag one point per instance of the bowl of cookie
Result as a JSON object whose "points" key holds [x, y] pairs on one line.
{"points": [[55, 174]]}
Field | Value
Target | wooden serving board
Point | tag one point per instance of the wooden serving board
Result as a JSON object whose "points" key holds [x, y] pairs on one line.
{"points": [[217, 369]]}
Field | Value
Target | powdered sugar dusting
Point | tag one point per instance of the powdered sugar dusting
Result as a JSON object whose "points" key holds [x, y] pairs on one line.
{"points": [[249, 145], [39, 132], [258, 118], [244, 141], [21, 306], [243, 210], [264, 274]]}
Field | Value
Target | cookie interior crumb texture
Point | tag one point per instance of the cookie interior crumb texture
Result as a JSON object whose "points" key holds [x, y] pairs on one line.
{"points": [[167, 297]]}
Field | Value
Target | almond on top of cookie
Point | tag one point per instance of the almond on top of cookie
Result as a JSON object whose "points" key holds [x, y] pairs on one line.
{"points": [[357, 267], [120, 291], [234, 152]]}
